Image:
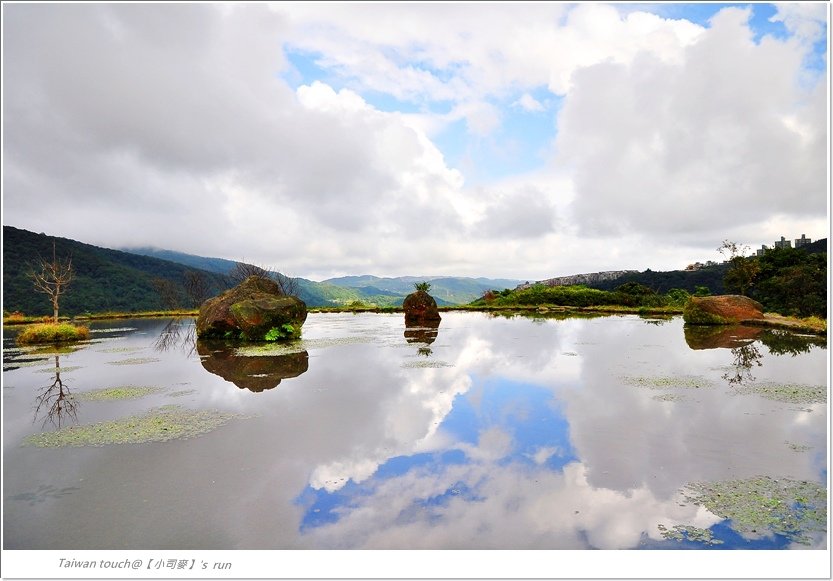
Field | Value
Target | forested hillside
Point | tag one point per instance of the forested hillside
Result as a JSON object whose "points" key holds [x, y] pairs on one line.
{"points": [[105, 280]]}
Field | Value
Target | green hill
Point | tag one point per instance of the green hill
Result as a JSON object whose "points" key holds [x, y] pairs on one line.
{"points": [[446, 290], [105, 280]]}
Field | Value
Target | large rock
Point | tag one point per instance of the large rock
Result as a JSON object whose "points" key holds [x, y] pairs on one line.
{"points": [[420, 307], [254, 310], [721, 310]]}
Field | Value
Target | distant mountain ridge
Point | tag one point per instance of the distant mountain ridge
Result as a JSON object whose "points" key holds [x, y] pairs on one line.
{"points": [[368, 289]]}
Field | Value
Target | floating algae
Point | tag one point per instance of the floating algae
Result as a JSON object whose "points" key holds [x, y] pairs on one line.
{"points": [[788, 393], [763, 505], [121, 350], [683, 382], [689, 533], [669, 397], [426, 363], [59, 369], [117, 393], [299, 346], [158, 425], [182, 392], [134, 361]]}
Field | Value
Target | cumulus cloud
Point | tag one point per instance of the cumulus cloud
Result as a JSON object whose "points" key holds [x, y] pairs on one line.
{"points": [[160, 123], [725, 136]]}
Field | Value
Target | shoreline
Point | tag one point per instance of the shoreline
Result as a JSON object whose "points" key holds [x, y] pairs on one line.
{"points": [[770, 320]]}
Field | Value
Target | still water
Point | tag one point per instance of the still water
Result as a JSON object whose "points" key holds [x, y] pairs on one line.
{"points": [[486, 433]]}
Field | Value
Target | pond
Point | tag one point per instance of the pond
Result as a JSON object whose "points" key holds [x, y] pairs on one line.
{"points": [[487, 432]]}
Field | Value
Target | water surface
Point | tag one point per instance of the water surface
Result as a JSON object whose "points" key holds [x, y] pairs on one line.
{"points": [[486, 433]]}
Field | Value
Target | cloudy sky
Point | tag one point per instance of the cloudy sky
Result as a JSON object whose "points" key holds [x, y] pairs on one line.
{"points": [[504, 140]]}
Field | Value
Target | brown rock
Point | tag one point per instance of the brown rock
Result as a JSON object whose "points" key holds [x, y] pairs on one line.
{"points": [[254, 310], [721, 310], [420, 307]]}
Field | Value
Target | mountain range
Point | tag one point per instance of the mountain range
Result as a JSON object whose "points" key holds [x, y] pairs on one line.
{"points": [[128, 280]]}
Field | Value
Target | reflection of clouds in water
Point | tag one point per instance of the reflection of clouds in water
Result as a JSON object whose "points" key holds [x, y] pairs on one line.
{"points": [[501, 506], [416, 401]]}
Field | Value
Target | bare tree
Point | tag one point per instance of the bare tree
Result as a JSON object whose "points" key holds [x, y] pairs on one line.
{"points": [[52, 277], [167, 293], [289, 286], [196, 287], [243, 270]]}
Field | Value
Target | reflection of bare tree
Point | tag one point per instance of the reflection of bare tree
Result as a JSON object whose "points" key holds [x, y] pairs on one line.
{"points": [[746, 356], [177, 333], [56, 401]]}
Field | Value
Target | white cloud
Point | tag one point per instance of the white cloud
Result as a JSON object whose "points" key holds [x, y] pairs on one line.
{"points": [[725, 137], [200, 133], [807, 20], [528, 103]]}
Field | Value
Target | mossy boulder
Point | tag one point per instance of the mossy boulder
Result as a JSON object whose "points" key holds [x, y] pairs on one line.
{"points": [[721, 310], [254, 310], [420, 307]]}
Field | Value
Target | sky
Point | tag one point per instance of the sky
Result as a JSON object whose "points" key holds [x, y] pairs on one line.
{"points": [[516, 140]]}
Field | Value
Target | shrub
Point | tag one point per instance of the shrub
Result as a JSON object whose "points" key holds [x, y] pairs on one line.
{"points": [[53, 333], [422, 286]]}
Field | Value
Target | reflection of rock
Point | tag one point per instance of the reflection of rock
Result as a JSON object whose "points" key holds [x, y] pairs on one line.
{"points": [[254, 310], [721, 310], [255, 373], [420, 307], [425, 332], [712, 337]]}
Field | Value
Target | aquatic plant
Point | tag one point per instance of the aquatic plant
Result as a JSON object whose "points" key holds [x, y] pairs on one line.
{"points": [[117, 393], [785, 392], [158, 425], [688, 533], [763, 505], [682, 382], [134, 361]]}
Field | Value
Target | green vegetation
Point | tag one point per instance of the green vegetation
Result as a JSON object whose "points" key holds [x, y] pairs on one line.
{"points": [[117, 393], [690, 533], [629, 297], [158, 425], [742, 269], [285, 331], [764, 505], [104, 280], [423, 286], [52, 333], [791, 281], [787, 393]]}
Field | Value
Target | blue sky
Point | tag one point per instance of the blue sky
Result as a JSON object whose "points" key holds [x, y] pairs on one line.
{"points": [[522, 141]]}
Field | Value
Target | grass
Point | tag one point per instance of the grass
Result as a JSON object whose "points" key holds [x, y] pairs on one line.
{"points": [[53, 333], [17, 318]]}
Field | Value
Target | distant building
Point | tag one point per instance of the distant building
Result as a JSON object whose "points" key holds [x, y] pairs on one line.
{"points": [[783, 243], [803, 241], [760, 251]]}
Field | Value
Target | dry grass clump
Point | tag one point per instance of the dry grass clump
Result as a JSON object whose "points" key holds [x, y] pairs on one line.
{"points": [[52, 333]]}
